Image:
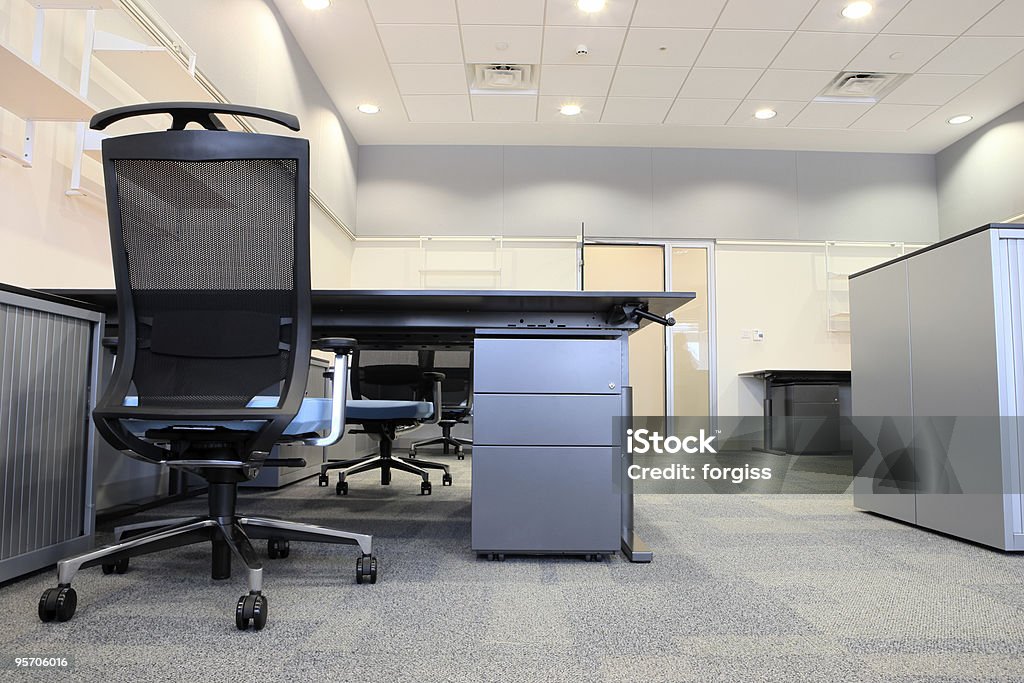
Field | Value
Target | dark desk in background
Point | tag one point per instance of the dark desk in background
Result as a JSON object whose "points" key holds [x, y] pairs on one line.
{"points": [[803, 410]]}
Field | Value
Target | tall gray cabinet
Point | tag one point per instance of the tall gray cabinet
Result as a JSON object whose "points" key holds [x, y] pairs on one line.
{"points": [[938, 387]]}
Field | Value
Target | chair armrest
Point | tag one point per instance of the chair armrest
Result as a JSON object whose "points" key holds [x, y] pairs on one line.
{"points": [[436, 378], [336, 344], [339, 385]]}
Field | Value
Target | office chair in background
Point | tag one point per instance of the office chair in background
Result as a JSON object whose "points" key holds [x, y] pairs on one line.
{"points": [[209, 234], [391, 393], [457, 368]]}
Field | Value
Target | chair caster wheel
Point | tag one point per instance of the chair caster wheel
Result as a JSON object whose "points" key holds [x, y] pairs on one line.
{"points": [[446, 480], [412, 453], [278, 548], [342, 488], [425, 488], [58, 603], [496, 557], [366, 569], [324, 480], [251, 608], [460, 455]]}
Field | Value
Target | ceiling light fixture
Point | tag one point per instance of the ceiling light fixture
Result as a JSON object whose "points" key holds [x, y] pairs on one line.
{"points": [[957, 120], [857, 10], [570, 110], [590, 6], [369, 108], [765, 114], [316, 5]]}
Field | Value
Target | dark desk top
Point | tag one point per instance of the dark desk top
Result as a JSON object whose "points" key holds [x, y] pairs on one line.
{"points": [[327, 301], [401, 318], [799, 375]]}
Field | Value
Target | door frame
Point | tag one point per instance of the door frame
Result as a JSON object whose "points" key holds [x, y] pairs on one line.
{"points": [[667, 245]]}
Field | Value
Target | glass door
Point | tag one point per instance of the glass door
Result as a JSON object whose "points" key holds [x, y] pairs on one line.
{"points": [[690, 343]]}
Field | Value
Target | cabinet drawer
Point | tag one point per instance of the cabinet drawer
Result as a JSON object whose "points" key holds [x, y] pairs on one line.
{"points": [[547, 366], [545, 420], [546, 500]]}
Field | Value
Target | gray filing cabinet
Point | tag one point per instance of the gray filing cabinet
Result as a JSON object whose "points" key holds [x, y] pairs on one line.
{"points": [[49, 359], [546, 454]]}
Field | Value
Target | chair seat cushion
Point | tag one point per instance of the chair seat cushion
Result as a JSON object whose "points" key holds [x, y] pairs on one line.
{"points": [[314, 415]]}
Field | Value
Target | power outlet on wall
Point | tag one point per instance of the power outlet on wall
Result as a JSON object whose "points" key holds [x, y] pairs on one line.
{"points": [[752, 335]]}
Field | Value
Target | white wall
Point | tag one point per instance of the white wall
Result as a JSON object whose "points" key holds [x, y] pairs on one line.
{"points": [[622, 192], [245, 48], [780, 290], [980, 176]]}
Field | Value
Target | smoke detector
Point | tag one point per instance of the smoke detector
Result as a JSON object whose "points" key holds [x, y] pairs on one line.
{"points": [[510, 78], [860, 86]]}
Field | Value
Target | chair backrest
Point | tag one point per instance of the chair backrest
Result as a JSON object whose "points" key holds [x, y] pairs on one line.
{"points": [[388, 375], [209, 233], [457, 367]]}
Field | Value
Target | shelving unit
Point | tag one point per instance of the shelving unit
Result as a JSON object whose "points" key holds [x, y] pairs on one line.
{"points": [[441, 247], [151, 70], [858, 256]]}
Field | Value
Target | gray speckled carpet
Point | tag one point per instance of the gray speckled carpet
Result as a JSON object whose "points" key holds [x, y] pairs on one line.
{"points": [[743, 588]]}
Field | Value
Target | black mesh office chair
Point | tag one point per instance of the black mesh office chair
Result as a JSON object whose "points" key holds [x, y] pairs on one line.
{"points": [[210, 239], [392, 393], [457, 368]]}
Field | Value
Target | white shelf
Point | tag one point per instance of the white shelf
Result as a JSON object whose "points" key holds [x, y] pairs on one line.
{"points": [[150, 70], [74, 4], [29, 93], [17, 156]]}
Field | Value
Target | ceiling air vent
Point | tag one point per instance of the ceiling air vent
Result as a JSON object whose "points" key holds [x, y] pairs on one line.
{"points": [[860, 86], [511, 78]]}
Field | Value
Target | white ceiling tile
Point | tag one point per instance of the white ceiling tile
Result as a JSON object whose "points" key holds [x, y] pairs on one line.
{"points": [[566, 13], [637, 110], [502, 44], [892, 117], [548, 109], [430, 79], [719, 83], [421, 44], [504, 108], [759, 14], [830, 114], [744, 114], [437, 108], [742, 48], [780, 84], [974, 55], [931, 89], [827, 15], [677, 13], [529, 12], [898, 53], [662, 46], [413, 11], [603, 45], [939, 17], [647, 81], [1005, 20], [825, 51], [583, 81], [701, 112]]}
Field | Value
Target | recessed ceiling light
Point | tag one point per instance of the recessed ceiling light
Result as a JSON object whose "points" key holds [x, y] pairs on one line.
{"points": [[857, 10], [962, 118], [570, 109], [590, 6], [765, 114], [369, 108], [316, 4]]}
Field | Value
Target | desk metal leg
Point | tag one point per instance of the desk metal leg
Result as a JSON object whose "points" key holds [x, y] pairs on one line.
{"points": [[633, 547]]}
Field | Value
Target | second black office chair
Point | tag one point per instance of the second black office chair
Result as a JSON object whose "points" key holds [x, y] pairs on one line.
{"points": [[457, 368], [392, 394]]}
